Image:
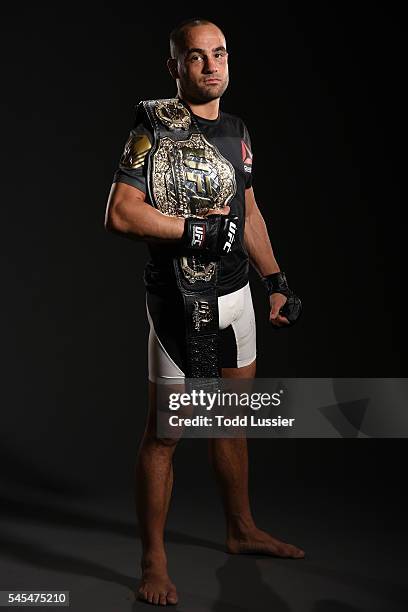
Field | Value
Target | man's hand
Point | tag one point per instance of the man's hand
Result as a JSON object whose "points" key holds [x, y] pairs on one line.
{"points": [[213, 233], [218, 211], [285, 305], [277, 300]]}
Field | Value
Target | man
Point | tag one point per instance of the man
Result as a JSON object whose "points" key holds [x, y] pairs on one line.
{"points": [[225, 227]]}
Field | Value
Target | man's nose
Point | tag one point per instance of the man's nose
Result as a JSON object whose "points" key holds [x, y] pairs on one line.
{"points": [[210, 65]]}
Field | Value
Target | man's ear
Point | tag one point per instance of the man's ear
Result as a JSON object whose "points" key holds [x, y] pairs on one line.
{"points": [[172, 66]]}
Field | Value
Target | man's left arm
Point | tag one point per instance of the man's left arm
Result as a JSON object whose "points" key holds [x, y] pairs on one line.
{"points": [[260, 252]]}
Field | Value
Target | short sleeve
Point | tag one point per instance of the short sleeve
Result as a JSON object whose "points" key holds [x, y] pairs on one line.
{"points": [[247, 156], [132, 164]]}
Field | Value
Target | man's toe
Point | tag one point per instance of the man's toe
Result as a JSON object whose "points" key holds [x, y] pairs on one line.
{"points": [[142, 594], [172, 597]]}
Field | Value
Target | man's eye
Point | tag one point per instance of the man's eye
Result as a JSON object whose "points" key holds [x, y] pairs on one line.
{"points": [[196, 58]]}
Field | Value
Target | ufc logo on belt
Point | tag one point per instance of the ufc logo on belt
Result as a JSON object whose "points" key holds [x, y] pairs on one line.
{"points": [[230, 238], [198, 235]]}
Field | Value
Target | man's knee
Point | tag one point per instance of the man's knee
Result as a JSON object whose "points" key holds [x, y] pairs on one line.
{"points": [[167, 442], [159, 441]]}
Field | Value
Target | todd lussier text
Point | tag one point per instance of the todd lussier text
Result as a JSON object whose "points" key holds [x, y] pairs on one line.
{"points": [[254, 421], [223, 421]]}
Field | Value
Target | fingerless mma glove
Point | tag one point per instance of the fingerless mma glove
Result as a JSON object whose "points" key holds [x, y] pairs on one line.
{"points": [[213, 235], [277, 283]]}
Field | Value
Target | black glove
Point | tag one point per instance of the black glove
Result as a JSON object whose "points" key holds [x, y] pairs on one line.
{"points": [[213, 235], [277, 283]]}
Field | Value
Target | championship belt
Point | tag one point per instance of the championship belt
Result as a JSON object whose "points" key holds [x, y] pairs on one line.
{"points": [[187, 176]]}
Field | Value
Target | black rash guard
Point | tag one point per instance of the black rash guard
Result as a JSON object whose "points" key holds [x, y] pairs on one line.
{"points": [[230, 135]]}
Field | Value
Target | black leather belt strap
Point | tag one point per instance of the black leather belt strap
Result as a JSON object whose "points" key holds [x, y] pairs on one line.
{"points": [[201, 323]]}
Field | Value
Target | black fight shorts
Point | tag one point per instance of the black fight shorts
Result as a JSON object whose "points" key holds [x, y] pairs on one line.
{"points": [[166, 351]]}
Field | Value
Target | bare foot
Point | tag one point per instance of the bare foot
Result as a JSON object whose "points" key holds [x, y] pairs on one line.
{"points": [[258, 541], [155, 585]]}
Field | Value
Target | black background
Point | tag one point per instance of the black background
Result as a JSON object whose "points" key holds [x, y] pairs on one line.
{"points": [[320, 89]]}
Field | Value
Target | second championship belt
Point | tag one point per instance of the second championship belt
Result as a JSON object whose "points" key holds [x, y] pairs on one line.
{"points": [[187, 176]]}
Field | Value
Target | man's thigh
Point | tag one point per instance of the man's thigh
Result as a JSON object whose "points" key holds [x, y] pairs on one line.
{"points": [[247, 371], [237, 336]]}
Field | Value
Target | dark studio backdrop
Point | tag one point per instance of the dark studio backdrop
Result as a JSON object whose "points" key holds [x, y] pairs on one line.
{"points": [[320, 89]]}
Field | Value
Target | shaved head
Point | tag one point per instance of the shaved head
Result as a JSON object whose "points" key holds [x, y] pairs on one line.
{"points": [[178, 35]]}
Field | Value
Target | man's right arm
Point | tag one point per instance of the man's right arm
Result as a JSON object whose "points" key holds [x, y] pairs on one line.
{"points": [[128, 213]]}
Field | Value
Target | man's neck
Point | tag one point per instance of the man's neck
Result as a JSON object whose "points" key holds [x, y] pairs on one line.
{"points": [[207, 110]]}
